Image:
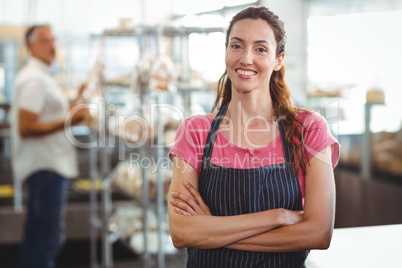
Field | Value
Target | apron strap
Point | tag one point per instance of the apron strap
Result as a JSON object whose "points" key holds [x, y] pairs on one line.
{"points": [[287, 150], [213, 131]]}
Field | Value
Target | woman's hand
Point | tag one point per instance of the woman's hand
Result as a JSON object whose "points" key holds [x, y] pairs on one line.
{"points": [[290, 217], [189, 205]]}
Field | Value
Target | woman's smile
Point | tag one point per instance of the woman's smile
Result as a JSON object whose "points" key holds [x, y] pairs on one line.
{"points": [[245, 74]]}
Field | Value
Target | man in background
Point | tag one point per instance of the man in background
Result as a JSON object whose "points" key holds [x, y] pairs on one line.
{"points": [[42, 156]]}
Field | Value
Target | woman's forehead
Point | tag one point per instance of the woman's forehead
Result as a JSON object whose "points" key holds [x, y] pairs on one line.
{"points": [[252, 29]]}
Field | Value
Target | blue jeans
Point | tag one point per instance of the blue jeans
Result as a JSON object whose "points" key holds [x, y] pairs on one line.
{"points": [[45, 220]]}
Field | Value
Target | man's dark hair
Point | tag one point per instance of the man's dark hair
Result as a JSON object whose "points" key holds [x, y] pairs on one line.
{"points": [[31, 30]]}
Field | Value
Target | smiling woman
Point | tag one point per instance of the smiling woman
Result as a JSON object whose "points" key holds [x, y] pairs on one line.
{"points": [[256, 176]]}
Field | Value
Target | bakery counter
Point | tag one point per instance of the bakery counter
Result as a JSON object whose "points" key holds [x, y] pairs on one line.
{"points": [[369, 247]]}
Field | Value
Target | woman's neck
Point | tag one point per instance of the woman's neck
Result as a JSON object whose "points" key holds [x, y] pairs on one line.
{"points": [[249, 121], [244, 107]]}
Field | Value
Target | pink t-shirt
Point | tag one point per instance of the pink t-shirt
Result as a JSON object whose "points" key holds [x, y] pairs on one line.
{"points": [[192, 135]]}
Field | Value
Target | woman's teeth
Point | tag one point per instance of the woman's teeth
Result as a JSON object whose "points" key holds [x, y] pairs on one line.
{"points": [[243, 72]]}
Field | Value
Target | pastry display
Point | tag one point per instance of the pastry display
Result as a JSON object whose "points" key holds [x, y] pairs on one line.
{"points": [[131, 128], [375, 96], [128, 179], [127, 224], [163, 75], [385, 152], [324, 93], [154, 74]]}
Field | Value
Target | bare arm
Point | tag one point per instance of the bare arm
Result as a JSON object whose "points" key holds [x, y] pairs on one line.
{"points": [[30, 126], [315, 231], [207, 231]]}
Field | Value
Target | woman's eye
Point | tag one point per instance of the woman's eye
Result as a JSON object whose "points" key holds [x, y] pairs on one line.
{"points": [[261, 49], [236, 46]]}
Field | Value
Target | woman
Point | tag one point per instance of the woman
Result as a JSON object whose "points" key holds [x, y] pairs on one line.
{"points": [[253, 184]]}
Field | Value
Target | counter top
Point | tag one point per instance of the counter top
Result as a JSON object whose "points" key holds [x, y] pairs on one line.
{"points": [[372, 246]]}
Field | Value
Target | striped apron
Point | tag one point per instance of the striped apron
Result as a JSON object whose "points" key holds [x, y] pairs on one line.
{"points": [[233, 191]]}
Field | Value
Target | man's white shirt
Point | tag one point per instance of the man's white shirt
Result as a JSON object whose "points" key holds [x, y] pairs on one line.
{"points": [[37, 90]]}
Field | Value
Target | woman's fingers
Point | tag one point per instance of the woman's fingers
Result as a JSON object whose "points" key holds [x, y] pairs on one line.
{"points": [[197, 197], [188, 204], [182, 212], [193, 204], [194, 192]]}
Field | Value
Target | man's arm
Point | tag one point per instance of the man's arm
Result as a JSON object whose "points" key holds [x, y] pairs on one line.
{"points": [[79, 97], [30, 126]]}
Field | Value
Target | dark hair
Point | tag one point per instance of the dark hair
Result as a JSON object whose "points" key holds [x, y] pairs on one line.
{"points": [[31, 31], [279, 91]]}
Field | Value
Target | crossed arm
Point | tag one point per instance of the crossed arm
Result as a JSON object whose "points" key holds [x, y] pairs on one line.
{"points": [[277, 230]]}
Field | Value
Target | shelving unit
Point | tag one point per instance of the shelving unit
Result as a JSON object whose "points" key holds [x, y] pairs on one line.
{"points": [[152, 149]]}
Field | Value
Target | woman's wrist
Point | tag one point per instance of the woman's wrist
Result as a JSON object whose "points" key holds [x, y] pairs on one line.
{"points": [[274, 218], [280, 216], [287, 217]]}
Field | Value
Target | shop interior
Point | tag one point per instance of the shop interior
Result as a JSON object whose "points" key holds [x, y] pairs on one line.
{"points": [[149, 64]]}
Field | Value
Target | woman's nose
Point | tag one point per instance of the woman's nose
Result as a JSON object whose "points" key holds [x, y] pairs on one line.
{"points": [[246, 57]]}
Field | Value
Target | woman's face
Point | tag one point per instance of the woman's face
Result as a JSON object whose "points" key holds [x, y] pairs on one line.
{"points": [[251, 55]]}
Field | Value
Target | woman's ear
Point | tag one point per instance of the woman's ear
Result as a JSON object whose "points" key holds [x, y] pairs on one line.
{"points": [[279, 62]]}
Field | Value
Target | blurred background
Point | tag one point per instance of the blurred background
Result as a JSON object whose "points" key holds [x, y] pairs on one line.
{"points": [[343, 60]]}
